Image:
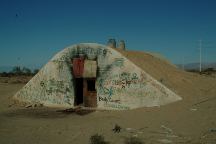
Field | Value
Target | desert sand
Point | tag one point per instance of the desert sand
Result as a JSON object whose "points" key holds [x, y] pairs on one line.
{"points": [[191, 120]]}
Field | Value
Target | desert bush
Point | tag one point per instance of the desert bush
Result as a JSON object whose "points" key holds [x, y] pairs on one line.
{"points": [[117, 129], [26, 71], [209, 70], [133, 140], [17, 70], [98, 139], [4, 74]]}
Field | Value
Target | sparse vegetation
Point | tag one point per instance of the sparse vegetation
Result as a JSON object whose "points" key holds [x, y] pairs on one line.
{"points": [[98, 139], [207, 71], [19, 71], [117, 129], [133, 140]]}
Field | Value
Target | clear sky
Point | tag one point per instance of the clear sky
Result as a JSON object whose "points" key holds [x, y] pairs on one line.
{"points": [[32, 31]]}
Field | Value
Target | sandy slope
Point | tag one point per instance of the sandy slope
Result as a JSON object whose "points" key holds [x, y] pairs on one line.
{"points": [[187, 85], [192, 120]]}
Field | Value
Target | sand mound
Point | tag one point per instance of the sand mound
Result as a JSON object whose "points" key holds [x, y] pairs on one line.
{"points": [[185, 84]]}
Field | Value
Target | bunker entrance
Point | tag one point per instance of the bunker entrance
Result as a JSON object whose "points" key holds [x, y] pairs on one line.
{"points": [[90, 93], [84, 72], [78, 91]]}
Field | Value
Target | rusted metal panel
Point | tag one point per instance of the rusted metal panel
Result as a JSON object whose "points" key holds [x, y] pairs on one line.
{"points": [[90, 97], [90, 69], [90, 100], [78, 67]]}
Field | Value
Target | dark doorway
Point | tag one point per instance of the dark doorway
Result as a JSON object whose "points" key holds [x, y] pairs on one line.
{"points": [[91, 85], [78, 91]]}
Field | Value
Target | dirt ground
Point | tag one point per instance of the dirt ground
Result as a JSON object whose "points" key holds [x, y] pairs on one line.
{"points": [[190, 121]]}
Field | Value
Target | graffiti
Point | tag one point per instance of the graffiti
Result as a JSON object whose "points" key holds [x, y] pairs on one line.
{"points": [[109, 87], [62, 58], [123, 84], [119, 62], [104, 69], [117, 106], [114, 86], [128, 83], [123, 80], [48, 90], [134, 76], [103, 99], [42, 84], [89, 51], [109, 91], [119, 81], [103, 90], [80, 50], [104, 51], [85, 51], [101, 51], [54, 86], [124, 76]]}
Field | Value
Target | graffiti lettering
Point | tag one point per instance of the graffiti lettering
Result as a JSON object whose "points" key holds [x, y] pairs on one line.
{"points": [[119, 62], [103, 99], [117, 106]]}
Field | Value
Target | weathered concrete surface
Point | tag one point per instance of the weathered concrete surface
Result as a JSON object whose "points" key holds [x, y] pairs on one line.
{"points": [[90, 69], [120, 84]]}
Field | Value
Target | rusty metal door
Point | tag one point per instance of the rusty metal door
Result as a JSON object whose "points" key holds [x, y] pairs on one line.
{"points": [[78, 67], [90, 93]]}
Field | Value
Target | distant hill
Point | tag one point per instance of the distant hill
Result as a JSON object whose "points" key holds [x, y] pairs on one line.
{"points": [[195, 66], [6, 68]]}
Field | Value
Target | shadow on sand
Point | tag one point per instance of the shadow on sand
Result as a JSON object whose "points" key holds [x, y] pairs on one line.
{"points": [[45, 112]]}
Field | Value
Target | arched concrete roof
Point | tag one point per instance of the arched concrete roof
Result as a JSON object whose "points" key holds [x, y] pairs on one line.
{"points": [[120, 84]]}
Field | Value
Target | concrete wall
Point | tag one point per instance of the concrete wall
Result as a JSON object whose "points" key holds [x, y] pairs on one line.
{"points": [[120, 84]]}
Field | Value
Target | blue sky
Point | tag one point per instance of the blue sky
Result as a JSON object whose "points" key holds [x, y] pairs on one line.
{"points": [[32, 31]]}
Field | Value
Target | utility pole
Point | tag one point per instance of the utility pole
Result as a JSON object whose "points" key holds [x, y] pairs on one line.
{"points": [[200, 57]]}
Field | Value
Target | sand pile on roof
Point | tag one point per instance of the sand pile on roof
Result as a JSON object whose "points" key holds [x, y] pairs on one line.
{"points": [[183, 83]]}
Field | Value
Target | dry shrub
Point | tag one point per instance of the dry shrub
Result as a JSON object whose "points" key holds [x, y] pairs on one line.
{"points": [[98, 139]]}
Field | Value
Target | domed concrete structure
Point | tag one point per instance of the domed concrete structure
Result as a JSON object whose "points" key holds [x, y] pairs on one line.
{"points": [[96, 76]]}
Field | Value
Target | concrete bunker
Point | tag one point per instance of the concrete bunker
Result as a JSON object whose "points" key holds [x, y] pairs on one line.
{"points": [[94, 75]]}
